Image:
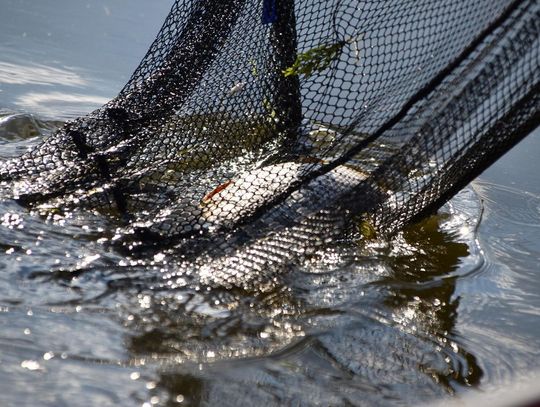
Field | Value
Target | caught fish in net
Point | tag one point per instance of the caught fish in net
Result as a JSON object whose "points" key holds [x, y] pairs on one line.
{"points": [[255, 132]]}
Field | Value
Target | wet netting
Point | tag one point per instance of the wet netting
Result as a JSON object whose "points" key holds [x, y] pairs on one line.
{"points": [[255, 132]]}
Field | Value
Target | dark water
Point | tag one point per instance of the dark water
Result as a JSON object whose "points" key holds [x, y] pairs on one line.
{"points": [[449, 306]]}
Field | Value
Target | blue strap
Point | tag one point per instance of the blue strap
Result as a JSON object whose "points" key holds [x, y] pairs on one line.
{"points": [[269, 13]]}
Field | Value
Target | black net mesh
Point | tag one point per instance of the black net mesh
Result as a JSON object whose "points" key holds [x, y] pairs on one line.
{"points": [[254, 132]]}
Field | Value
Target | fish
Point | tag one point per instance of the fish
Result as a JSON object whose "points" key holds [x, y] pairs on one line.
{"points": [[239, 198], [278, 188]]}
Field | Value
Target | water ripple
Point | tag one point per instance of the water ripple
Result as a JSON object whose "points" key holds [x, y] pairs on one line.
{"points": [[361, 320]]}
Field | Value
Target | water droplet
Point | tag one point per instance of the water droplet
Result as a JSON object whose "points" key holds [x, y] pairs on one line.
{"points": [[151, 385], [48, 356], [159, 257], [30, 365]]}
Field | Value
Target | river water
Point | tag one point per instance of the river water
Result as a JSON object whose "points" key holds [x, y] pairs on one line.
{"points": [[448, 307]]}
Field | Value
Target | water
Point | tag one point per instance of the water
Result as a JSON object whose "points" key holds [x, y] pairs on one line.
{"points": [[448, 307]]}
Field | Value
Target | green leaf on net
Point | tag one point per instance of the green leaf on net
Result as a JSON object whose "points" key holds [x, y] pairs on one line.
{"points": [[367, 230], [254, 70], [315, 59]]}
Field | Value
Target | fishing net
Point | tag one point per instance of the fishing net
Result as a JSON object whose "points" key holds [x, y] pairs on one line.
{"points": [[255, 132]]}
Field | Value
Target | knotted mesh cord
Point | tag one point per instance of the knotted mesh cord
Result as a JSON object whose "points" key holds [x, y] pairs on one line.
{"points": [[211, 145]]}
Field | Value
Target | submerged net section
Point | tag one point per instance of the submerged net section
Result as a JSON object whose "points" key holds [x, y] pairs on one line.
{"points": [[254, 132]]}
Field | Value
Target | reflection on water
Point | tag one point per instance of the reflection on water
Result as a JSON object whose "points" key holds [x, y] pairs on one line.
{"points": [[75, 54], [362, 320], [444, 306], [48, 103], [18, 74]]}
